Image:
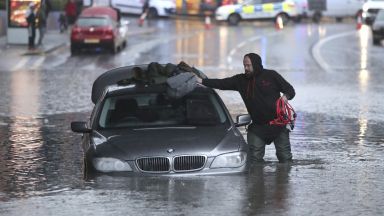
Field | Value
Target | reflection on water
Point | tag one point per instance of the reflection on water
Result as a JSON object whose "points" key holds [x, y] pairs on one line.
{"points": [[37, 156], [25, 93], [25, 143], [364, 40]]}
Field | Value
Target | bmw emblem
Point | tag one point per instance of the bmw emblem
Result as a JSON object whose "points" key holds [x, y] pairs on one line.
{"points": [[170, 150]]}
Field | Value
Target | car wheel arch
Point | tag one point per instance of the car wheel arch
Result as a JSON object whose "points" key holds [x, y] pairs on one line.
{"points": [[153, 13], [114, 47], [234, 18], [284, 16]]}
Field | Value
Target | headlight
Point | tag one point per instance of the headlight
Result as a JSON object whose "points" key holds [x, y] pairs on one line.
{"points": [[110, 165], [235, 159]]}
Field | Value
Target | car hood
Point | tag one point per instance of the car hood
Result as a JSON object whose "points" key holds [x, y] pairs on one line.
{"points": [[132, 144]]}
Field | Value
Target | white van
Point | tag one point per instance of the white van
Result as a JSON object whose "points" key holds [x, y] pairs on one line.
{"points": [[337, 9], [156, 7], [370, 10]]}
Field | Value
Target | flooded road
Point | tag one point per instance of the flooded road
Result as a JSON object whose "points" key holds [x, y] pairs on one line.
{"points": [[337, 144], [337, 169]]}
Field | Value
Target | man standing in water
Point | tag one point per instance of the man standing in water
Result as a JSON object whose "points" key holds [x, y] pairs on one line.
{"points": [[260, 89]]}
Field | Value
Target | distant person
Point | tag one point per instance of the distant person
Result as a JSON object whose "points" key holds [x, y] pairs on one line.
{"points": [[260, 89], [184, 8], [42, 16], [63, 24], [30, 16], [207, 7], [144, 12], [79, 6], [71, 12]]}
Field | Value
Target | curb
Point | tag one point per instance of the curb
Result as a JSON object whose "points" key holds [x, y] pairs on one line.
{"points": [[43, 52], [54, 48]]}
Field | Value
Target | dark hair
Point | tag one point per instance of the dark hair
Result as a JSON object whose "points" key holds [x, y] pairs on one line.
{"points": [[257, 63]]}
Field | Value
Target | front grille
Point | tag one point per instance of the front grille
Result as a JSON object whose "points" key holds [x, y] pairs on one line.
{"points": [[163, 164], [153, 164], [188, 163]]}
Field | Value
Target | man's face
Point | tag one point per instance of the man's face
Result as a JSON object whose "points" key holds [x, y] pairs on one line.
{"points": [[248, 68]]}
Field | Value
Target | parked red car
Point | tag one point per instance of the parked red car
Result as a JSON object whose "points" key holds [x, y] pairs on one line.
{"points": [[99, 27]]}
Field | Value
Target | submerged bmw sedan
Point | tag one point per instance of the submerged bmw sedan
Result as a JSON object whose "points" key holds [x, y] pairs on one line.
{"points": [[137, 128]]}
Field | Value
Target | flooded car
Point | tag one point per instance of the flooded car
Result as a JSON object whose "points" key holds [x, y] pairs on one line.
{"points": [[138, 127]]}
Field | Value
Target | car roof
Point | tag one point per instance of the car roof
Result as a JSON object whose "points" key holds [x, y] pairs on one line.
{"points": [[112, 77], [100, 11]]}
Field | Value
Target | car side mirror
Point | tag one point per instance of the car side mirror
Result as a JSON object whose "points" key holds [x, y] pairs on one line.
{"points": [[80, 127], [242, 120]]}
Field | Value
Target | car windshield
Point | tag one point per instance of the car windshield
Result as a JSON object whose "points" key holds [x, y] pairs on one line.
{"points": [[380, 15], [157, 110], [93, 21]]}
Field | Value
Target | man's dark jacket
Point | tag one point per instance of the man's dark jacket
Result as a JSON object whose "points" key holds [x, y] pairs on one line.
{"points": [[260, 94]]}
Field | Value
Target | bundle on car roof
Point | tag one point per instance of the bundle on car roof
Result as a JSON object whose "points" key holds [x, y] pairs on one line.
{"points": [[178, 77]]}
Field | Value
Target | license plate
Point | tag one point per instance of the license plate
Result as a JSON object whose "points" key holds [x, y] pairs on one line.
{"points": [[91, 40]]}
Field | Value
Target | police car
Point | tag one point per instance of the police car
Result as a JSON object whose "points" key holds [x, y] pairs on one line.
{"points": [[258, 10]]}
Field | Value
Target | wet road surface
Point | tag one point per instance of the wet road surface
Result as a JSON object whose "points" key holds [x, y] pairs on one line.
{"points": [[338, 143]]}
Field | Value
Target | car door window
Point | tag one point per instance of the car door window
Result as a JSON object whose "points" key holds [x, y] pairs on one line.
{"points": [[380, 15], [92, 22]]}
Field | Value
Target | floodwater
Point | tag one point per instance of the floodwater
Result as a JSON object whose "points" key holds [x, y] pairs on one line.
{"points": [[337, 144], [337, 169]]}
